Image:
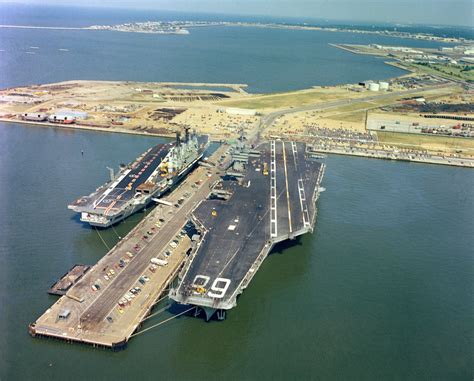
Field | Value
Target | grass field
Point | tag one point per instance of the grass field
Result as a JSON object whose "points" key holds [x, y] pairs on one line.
{"points": [[286, 100], [443, 143], [314, 96], [354, 117], [447, 70]]}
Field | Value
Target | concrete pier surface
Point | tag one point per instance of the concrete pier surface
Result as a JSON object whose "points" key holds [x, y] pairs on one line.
{"points": [[106, 306]]}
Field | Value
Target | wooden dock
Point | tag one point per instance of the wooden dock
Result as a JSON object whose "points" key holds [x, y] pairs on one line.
{"points": [[62, 286]]}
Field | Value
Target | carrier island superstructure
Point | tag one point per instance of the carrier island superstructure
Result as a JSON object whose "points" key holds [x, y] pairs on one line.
{"points": [[267, 196], [151, 175]]}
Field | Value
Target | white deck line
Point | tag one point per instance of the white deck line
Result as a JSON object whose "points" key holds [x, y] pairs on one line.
{"points": [[287, 190], [304, 207], [295, 154], [111, 188], [273, 199]]}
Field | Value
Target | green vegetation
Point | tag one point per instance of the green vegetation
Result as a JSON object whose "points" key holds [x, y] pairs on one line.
{"points": [[314, 96], [465, 72], [433, 142], [287, 100], [355, 112], [353, 117]]}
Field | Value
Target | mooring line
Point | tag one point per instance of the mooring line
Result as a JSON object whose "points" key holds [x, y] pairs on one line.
{"points": [[156, 313], [107, 246], [160, 323]]}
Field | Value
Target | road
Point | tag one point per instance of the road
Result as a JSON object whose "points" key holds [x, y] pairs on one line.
{"points": [[268, 119]]}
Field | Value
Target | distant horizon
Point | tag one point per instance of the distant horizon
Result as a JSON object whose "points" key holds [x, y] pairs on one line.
{"points": [[235, 15]]}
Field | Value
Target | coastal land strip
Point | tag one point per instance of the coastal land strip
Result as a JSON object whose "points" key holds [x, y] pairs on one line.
{"points": [[183, 28], [417, 117]]}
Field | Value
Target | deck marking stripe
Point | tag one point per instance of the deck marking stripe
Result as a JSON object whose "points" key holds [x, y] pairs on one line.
{"points": [[107, 210], [287, 191], [295, 155], [304, 206], [273, 203]]}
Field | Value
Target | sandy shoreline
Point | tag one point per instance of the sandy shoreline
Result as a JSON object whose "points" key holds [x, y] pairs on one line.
{"points": [[114, 130], [466, 163]]}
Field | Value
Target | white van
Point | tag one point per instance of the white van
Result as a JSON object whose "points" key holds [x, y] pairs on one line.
{"points": [[159, 262]]}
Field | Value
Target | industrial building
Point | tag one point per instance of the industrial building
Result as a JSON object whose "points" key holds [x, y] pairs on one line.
{"points": [[34, 117]]}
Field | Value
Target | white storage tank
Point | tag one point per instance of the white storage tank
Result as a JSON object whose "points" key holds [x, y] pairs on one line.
{"points": [[374, 87], [383, 85]]}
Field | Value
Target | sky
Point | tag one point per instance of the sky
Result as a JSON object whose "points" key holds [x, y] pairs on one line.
{"points": [[443, 12]]}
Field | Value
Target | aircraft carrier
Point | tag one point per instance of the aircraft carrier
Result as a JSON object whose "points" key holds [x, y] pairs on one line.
{"points": [[267, 196], [151, 175]]}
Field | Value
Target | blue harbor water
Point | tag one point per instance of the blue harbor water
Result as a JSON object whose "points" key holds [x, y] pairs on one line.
{"points": [[268, 60], [265, 59], [41, 15], [382, 290]]}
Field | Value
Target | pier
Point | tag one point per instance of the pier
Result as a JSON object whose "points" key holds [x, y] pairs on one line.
{"points": [[108, 303]]}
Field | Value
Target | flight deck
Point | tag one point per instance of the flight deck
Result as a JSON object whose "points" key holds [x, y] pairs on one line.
{"points": [[272, 198], [150, 176], [110, 199]]}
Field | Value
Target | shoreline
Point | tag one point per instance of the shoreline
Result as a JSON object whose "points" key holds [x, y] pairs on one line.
{"points": [[72, 127], [380, 155], [347, 48], [423, 60], [5, 26], [84, 128], [376, 154], [165, 27]]}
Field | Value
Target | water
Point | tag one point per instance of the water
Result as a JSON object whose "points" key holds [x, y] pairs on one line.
{"points": [[268, 60], [262, 58], [54, 15], [381, 290]]}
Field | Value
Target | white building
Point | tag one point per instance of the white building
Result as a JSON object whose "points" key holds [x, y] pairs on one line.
{"points": [[240, 111]]}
